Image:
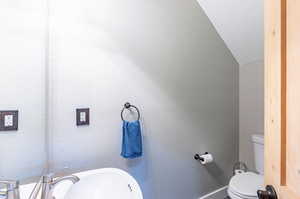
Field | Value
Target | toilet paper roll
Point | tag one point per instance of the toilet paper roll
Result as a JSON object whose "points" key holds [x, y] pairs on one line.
{"points": [[206, 159]]}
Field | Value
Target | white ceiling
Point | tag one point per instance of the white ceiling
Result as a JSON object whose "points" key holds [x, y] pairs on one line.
{"points": [[240, 24]]}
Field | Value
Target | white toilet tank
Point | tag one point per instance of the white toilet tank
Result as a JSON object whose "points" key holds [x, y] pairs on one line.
{"points": [[258, 143]]}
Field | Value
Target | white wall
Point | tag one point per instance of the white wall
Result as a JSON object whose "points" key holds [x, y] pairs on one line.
{"points": [[166, 58], [251, 109], [22, 69]]}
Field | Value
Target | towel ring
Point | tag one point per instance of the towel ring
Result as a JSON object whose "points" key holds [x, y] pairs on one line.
{"points": [[127, 105]]}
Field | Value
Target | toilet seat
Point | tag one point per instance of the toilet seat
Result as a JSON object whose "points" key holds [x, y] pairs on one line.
{"points": [[245, 185], [234, 195]]}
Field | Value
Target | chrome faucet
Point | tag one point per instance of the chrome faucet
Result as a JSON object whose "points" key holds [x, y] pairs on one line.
{"points": [[42, 190], [11, 190], [50, 181]]}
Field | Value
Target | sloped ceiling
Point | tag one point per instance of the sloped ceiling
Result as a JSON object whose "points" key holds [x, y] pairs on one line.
{"points": [[240, 24]]}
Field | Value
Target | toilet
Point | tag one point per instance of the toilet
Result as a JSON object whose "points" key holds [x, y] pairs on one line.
{"points": [[246, 184]]}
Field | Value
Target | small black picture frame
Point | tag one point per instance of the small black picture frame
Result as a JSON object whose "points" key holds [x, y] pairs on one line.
{"points": [[82, 116], [13, 116]]}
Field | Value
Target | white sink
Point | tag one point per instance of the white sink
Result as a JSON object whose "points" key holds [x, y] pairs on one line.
{"points": [[108, 183], [59, 191], [105, 183]]}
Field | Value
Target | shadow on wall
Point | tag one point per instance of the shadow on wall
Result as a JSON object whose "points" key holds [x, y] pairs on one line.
{"points": [[172, 65]]}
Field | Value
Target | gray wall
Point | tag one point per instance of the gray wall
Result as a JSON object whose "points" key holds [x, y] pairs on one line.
{"points": [[163, 56], [166, 58], [251, 108]]}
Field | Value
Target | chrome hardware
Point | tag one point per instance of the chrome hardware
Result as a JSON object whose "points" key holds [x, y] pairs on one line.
{"points": [[42, 190], [11, 190], [48, 182], [127, 105], [239, 166], [198, 157], [270, 193]]}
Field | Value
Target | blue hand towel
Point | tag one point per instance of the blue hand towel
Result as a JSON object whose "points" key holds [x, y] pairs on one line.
{"points": [[132, 140]]}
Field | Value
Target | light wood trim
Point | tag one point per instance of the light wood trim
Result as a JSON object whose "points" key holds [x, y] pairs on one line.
{"points": [[273, 96], [293, 97], [283, 92], [282, 97], [286, 193]]}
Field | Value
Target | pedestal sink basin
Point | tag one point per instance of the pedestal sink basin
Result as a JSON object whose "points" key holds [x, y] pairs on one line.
{"points": [[105, 183]]}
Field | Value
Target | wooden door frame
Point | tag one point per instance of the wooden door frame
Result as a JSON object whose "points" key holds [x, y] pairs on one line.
{"points": [[275, 90], [275, 42]]}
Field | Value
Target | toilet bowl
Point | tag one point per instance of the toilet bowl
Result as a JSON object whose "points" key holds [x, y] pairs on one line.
{"points": [[246, 184]]}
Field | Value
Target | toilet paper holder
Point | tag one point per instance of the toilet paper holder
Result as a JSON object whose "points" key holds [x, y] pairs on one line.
{"points": [[205, 158], [198, 157]]}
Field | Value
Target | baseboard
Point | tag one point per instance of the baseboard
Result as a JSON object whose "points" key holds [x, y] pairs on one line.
{"points": [[217, 194]]}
